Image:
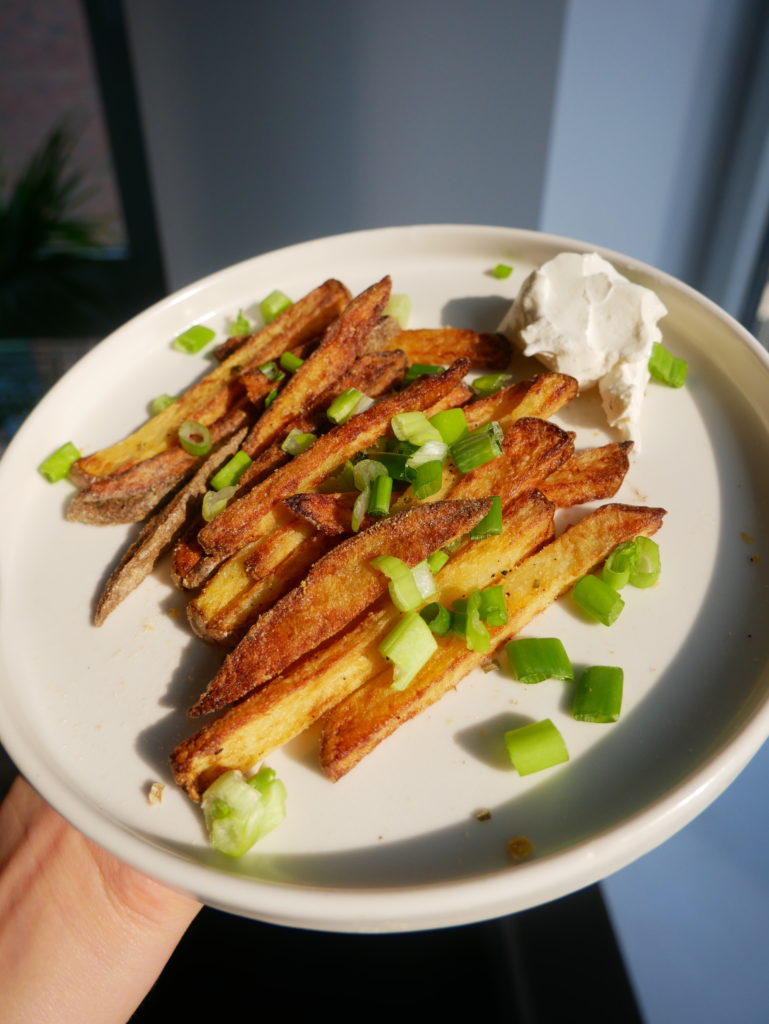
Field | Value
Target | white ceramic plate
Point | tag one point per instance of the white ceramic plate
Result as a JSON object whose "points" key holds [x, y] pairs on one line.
{"points": [[90, 714]]}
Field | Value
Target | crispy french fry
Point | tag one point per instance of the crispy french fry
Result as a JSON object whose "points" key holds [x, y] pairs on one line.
{"points": [[305, 318], [373, 712], [251, 516], [540, 396], [590, 475], [336, 590], [442, 345], [288, 704]]}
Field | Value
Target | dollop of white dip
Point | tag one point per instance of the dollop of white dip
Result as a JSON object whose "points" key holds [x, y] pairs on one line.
{"points": [[578, 315]]}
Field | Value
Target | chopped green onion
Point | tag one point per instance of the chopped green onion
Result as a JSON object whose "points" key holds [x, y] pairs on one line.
{"points": [[59, 463], [231, 471], [477, 448], [493, 609], [501, 271], [427, 480], [421, 370], [380, 495], [290, 362], [466, 620], [239, 325], [437, 560], [272, 371], [404, 592], [598, 694], [534, 747], [367, 470], [360, 508], [533, 659], [597, 599], [239, 812], [437, 618], [414, 427], [193, 339], [617, 567], [409, 646], [490, 383], [215, 502], [344, 406], [667, 368], [161, 402], [270, 398], [394, 463], [194, 437], [451, 424], [432, 451], [491, 524], [297, 442], [646, 568], [273, 305], [399, 308], [424, 579]]}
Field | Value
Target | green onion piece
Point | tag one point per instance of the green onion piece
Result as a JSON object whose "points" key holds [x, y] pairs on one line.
{"points": [[399, 308], [534, 747], [270, 398], [273, 305], [59, 463], [239, 812], [597, 599], [231, 471], [403, 588], [437, 618], [533, 659], [646, 569], [380, 495], [432, 451], [290, 362], [666, 368], [215, 502], [477, 448], [598, 694], [451, 424], [409, 646], [297, 442], [490, 383], [239, 325], [194, 437], [193, 339], [421, 370], [272, 371], [617, 567], [493, 609], [366, 471], [424, 579], [466, 620], [360, 508], [394, 463], [437, 560], [501, 271], [344, 406], [491, 524], [428, 479], [161, 402], [414, 427]]}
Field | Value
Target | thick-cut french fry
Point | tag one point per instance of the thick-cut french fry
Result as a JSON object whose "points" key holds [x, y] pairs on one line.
{"points": [[540, 396], [589, 475], [251, 516], [342, 344], [159, 532], [129, 496], [442, 345], [304, 319], [373, 712], [336, 590], [288, 704]]}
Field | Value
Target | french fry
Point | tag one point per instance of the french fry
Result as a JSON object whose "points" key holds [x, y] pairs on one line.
{"points": [[442, 345], [336, 590], [373, 712], [251, 516], [304, 319], [590, 475], [288, 704], [541, 396]]}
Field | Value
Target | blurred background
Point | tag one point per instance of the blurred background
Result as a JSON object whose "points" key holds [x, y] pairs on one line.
{"points": [[145, 143]]}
